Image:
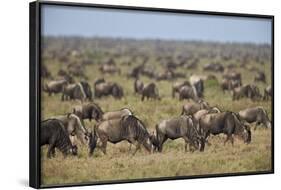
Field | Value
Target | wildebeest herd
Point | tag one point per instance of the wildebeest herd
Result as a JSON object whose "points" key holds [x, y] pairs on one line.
{"points": [[97, 89]]}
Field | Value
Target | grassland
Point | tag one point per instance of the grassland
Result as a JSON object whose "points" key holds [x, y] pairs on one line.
{"points": [[120, 164]]}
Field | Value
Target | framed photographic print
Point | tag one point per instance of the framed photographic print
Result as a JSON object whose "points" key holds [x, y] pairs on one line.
{"points": [[131, 94]]}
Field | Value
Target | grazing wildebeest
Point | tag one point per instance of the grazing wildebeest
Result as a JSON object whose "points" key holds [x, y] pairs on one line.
{"points": [[188, 92], [267, 93], [255, 114], [73, 92], [198, 84], [191, 108], [217, 67], [88, 111], [232, 75], [166, 75], [177, 85], [227, 84], [117, 114], [52, 133], [248, 91], [138, 86], [117, 91], [54, 86], [110, 67], [103, 88], [225, 122], [135, 72], [178, 127], [150, 91], [128, 128], [260, 77], [73, 126], [76, 70]]}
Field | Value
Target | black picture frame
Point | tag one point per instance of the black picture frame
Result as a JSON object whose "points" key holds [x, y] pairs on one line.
{"points": [[35, 93]]}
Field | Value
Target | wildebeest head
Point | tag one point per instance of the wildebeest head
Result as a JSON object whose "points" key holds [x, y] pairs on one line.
{"points": [[92, 142], [75, 127], [265, 119], [242, 129], [197, 140], [154, 141]]}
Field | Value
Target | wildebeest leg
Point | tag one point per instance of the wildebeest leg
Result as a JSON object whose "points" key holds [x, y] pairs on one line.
{"points": [[161, 142], [186, 142], [136, 143], [137, 148], [142, 98], [50, 150], [229, 137], [103, 146], [104, 143]]}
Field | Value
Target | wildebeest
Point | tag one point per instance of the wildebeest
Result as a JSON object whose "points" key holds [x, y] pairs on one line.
{"points": [[232, 75], [128, 128], [255, 114], [136, 71], [117, 114], [150, 91], [188, 92], [88, 111], [110, 67], [166, 75], [228, 84], [73, 126], [54, 86], [226, 123], [217, 67], [178, 127], [73, 92], [76, 70], [247, 91], [138, 86], [260, 77], [193, 107], [198, 84], [103, 88], [267, 93], [52, 133], [177, 85]]}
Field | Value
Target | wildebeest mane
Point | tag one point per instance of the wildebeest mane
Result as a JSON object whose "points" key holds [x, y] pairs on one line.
{"points": [[133, 127]]}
